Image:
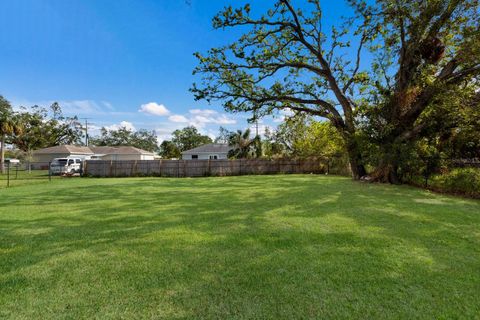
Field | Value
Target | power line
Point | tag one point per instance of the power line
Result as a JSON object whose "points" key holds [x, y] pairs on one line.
{"points": [[86, 130]]}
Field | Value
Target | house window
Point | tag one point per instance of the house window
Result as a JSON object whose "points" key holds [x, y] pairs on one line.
{"points": [[194, 156], [213, 157]]}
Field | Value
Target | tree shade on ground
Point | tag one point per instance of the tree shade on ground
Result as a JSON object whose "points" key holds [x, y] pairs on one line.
{"points": [[268, 247]]}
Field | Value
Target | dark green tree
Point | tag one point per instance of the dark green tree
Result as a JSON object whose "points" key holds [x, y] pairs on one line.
{"points": [[419, 51], [244, 146], [9, 126], [189, 138], [142, 139], [46, 128], [168, 150]]}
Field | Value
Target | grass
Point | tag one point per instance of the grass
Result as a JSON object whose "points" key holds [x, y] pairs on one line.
{"points": [[250, 247], [23, 177]]}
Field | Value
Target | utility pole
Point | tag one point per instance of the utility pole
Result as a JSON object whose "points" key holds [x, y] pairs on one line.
{"points": [[86, 130]]}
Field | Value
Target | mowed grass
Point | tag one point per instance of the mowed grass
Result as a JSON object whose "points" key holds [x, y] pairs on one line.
{"points": [[25, 177], [250, 247]]}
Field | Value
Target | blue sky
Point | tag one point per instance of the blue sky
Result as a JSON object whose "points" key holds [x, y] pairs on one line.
{"points": [[117, 62]]}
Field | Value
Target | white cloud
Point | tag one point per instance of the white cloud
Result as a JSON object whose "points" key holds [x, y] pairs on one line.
{"points": [[123, 124], [177, 118], [283, 114], [71, 107], [202, 117], [223, 119], [108, 105], [154, 108], [203, 112], [165, 132], [80, 107], [201, 121]]}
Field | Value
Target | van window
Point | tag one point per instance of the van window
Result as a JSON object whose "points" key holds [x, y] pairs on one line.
{"points": [[59, 162], [70, 161], [78, 161]]}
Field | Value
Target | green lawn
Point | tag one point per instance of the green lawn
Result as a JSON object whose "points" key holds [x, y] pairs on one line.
{"points": [[250, 247], [24, 177]]}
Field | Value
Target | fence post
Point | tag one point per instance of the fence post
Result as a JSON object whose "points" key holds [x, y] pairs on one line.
{"points": [[49, 171], [16, 171], [134, 168], [84, 168], [8, 174]]}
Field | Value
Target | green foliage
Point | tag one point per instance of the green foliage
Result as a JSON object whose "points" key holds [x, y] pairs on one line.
{"points": [[302, 136], [243, 145], [189, 138], [142, 139], [9, 121], [45, 128], [223, 135], [464, 181], [421, 53], [168, 150]]}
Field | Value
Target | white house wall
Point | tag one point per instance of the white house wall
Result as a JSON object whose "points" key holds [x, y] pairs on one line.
{"points": [[127, 157], [206, 156]]}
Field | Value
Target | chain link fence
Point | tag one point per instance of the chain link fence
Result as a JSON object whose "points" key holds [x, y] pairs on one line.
{"points": [[18, 173]]}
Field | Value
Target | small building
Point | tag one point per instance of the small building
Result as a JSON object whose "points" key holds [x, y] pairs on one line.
{"points": [[210, 151], [121, 153], [46, 155]]}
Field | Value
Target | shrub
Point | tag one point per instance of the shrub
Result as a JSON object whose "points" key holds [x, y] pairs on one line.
{"points": [[461, 180]]}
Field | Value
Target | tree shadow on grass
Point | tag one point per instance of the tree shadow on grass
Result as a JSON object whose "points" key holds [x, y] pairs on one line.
{"points": [[276, 247]]}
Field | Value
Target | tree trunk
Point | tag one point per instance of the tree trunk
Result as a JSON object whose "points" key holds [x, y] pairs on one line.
{"points": [[2, 154], [358, 169], [356, 163], [387, 169], [386, 172]]}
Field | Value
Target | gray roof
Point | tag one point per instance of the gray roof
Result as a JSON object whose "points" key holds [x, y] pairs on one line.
{"points": [[70, 149], [210, 148], [119, 150], [65, 149]]}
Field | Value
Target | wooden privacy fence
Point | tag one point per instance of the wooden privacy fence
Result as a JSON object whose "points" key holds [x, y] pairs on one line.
{"points": [[199, 168]]}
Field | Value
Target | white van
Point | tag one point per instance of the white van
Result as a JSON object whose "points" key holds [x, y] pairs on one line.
{"points": [[66, 166]]}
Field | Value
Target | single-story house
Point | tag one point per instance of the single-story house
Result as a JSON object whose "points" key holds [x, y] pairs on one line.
{"points": [[208, 151], [46, 155], [122, 153]]}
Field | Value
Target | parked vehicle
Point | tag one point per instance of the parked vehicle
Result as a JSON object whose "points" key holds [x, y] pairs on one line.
{"points": [[66, 166], [12, 161]]}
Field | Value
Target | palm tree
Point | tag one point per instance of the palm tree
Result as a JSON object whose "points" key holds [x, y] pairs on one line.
{"points": [[9, 125], [243, 145]]}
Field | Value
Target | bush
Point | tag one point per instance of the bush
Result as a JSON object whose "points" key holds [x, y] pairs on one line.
{"points": [[461, 180]]}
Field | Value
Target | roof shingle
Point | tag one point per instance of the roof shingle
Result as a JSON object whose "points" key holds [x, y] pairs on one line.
{"points": [[210, 148], [91, 150], [64, 149]]}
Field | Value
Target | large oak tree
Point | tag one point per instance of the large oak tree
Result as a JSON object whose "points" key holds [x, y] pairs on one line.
{"points": [[380, 68]]}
